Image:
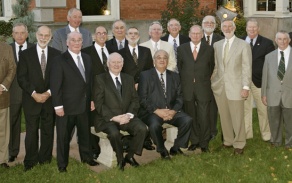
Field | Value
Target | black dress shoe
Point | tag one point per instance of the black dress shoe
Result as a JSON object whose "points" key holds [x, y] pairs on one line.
{"points": [[11, 158], [205, 149], [193, 147], [4, 165], [131, 161], [149, 147], [238, 151], [91, 162], [62, 169], [27, 167], [121, 165], [173, 152], [165, 155]]}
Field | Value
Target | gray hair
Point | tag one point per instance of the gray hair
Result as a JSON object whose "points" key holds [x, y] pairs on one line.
{"points": [[113, 26], [72, 10], [226, 20], [282, 32], [172, 19], [155, 22], [159, 51], [209, 16], [19, 24], [70, 34], [114, 54]]}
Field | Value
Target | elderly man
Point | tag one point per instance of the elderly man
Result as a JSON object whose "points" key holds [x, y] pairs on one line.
{"points": [[276, 90], [7, 73], [71, 93], [230, 85], [33, 75], [154, 44], [260, 47], [119, 40], [161, 102], [74, 18], [19, 34], [117, 104]]}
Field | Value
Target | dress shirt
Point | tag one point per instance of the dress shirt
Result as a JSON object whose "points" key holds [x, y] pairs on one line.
{"points": [[254, 40], [114, 77], [72, 29], [136, 50], [74, 56], [153, 44], [170, 40], [193, 47], [99, 52], [286, 56], [123, 42], [211, 37], [163, 76], [24, 47]]}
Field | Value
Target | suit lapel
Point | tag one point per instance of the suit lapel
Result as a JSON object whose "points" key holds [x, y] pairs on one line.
{"points": [[201, 51], [86, 68], [232, 49], [289, 66], [112, 85], [72, 64], [168, 86], [35, 60]]}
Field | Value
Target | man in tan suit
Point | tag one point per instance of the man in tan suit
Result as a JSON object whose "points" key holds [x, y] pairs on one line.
{"points": [[8, 69], [230, 84]]}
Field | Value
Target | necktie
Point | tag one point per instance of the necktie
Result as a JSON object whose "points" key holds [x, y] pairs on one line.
{"points": [[135, 56], [251, 43], [163, 88], [281, 67], [226, 50], [43, 63], [20, 47], [119, 86], [195, 53], [104, 60], [208, 40], [80, 67], [155, 47], [175, 47], [121, 45]]}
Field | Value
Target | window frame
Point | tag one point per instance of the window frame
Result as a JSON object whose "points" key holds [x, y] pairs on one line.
{"points": [[7, 7]]}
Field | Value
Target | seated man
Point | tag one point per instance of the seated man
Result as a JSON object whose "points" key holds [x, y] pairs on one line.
{"points": [[161, 102], [117, 104]]}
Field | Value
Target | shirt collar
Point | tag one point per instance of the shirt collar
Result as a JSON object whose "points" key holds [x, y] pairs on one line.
{"points": [[72, 29]]}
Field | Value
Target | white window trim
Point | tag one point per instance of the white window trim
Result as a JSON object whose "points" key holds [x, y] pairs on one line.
{"points": [[114, 9], [7, 10]]}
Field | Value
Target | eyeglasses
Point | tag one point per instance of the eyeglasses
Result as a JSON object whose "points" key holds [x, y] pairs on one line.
{"points": [[76, 41], [101, 33], [212, 23], [44, 35]]}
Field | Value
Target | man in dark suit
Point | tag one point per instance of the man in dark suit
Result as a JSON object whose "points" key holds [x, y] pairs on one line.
{"points": [[195, 65], [161, 102], [19, 34], [74, 18], [71, 92], [33, 75], [99, 54], [117, 104], [119, 40], [209, 25], [260, 46]]}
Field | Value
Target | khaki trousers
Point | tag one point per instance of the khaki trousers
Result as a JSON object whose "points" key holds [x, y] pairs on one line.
{"points": [[4, 134], [255, 95]]}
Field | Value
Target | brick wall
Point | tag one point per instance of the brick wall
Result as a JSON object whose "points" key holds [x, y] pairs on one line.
{"points": [[60, 14]]}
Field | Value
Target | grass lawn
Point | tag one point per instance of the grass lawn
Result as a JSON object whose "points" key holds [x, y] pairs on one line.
{"points": [[260, 164]]}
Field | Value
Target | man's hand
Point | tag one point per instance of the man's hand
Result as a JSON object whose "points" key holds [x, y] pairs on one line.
{"points": [[244, 93], [136, 86], [41, 97], [162, 113], [60, 112], [92, 107], [264, 100], [171, 113], [121, 119]]}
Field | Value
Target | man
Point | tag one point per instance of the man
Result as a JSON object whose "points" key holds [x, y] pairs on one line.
{"points": [[230, 84], [71, 87], [33, 75], [74, 18], [119, 40], [276, 90], [7, 73], [260, 47], [174, 38], [161, 102], [195, 65], [154, 44], [19, 34], [209, 25], [117, 105]]}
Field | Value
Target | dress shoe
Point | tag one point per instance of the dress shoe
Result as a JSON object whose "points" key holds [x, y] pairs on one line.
{"points": [[165, 155], [173, 152], [4, 165], [91, 162], [131, 161], [11, 158], [226, 146], [238, 151], [62, 169], [95, 156], [205, 150], [149, 147], [193, 147], [212, 137], [27, 167], [121, 165]]}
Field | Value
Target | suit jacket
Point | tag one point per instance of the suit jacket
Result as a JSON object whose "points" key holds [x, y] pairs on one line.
{"points": [[30, 78], [215, 38], [112, 46], [15, 90], [7, 72], [261, 48], [145, 61], [60, 37], [168, 48], [151, 93], [236, 73], [68, 86], [182, 39], [271, 85], [199, 71], [108, 102]]}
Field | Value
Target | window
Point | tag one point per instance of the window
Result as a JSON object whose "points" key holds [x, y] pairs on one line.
{"points": [[266, 5], [5, 9], [101, 10]]}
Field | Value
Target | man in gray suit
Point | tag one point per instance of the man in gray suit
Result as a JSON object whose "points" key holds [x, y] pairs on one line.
{"points": [[74, 18], [276, 90], [230, 84]]}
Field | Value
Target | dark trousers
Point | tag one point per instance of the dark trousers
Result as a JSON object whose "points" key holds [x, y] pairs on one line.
{"points": [[200, 131], [213, 116], [65, 125], [33, 153], [94, 139], [136, 128], [181, 120], [15, 129]]}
